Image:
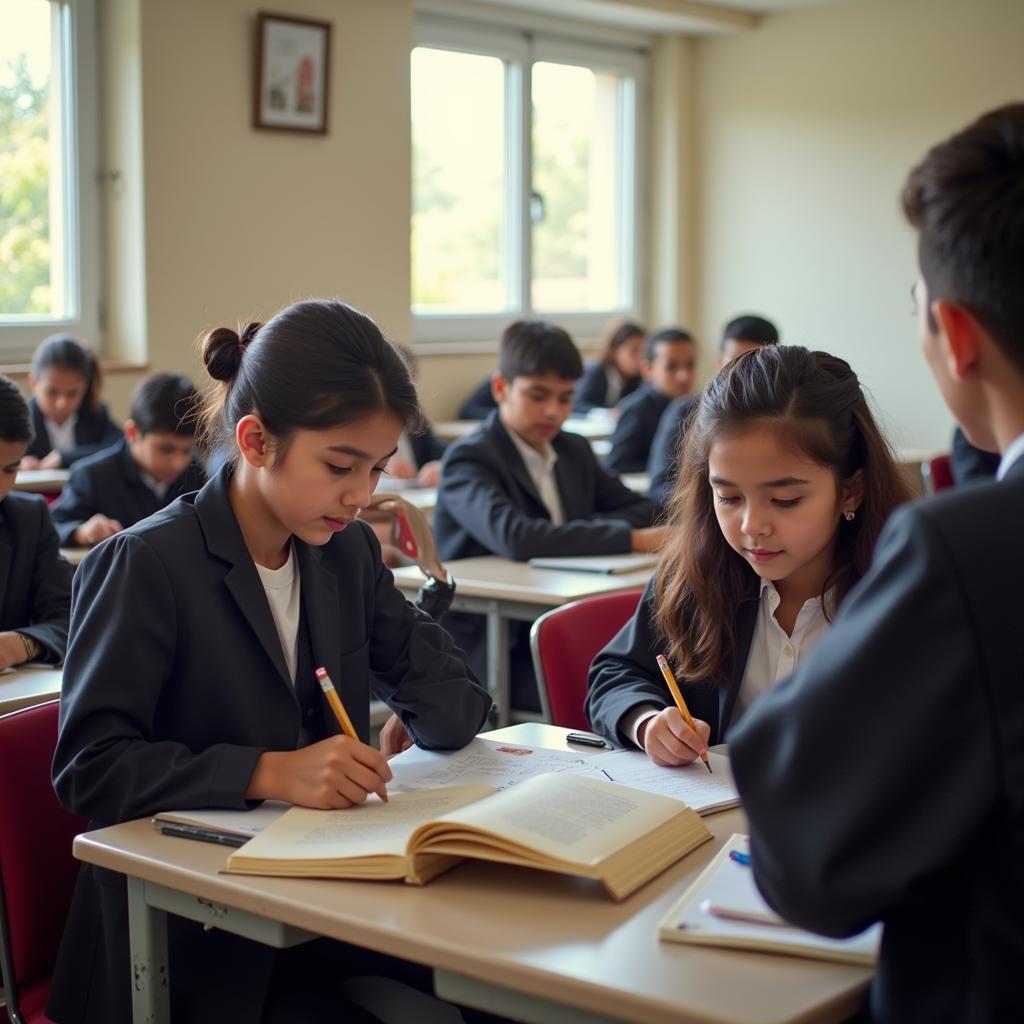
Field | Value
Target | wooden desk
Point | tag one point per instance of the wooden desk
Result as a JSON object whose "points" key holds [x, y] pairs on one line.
{"points": [[28, 685], [503, 590], [534, 946], [593, 429], [75, 555], [41, 481]]}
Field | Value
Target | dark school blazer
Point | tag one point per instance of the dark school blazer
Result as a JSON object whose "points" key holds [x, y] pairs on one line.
{"points": [[35, 582], [426, 447], [969, 463], [663, 462], [639, 415], [625, 673], [94, 431], [592, 389], [110, 483], [175, 683], [884, 781], [479, 403]]}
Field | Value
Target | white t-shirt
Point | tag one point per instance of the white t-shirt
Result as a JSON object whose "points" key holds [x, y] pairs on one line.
{"points": [[285, 598], [61, 435]]}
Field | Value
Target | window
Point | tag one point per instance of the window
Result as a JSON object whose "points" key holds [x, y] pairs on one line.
{"points": [[48, 222], [524, 182]]}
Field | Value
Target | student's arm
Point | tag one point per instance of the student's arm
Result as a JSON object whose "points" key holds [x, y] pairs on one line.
{"points": [[630, 443], [105, 433], [476, 498], [873, 765], [480, 402], [612, 497], [662, 462], [78, 515], [109, 763], [417, 670], [51, 593]]}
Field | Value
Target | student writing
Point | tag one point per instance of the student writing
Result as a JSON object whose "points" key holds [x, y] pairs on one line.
{"points": [[784, 484], [617, 372], [196, 633], [35, 582], [152, 465], [69, 421]]}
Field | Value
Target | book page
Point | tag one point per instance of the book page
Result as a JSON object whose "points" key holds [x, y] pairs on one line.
{"points": [[692, 784], [566, 817]]}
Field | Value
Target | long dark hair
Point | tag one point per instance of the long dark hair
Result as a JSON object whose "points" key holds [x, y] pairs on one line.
{"points": [[316, 364], [66, 352], [816, 403]]}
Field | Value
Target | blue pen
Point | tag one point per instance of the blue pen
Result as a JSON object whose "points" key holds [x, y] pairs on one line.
{"points": [[740, 858]]}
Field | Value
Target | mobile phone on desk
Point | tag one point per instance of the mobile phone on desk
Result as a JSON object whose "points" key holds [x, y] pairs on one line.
{"points": [[588, 739]]}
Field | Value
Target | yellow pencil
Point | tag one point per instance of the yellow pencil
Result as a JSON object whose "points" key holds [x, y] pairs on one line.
{"points": [[677, 696], [341, 714]]}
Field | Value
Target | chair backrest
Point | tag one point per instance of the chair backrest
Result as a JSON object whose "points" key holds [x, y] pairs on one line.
{"points": [[37, 869], [938, 473], [564, 642]]}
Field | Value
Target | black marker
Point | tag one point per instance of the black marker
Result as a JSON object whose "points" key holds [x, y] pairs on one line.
{"points": [[586, 738]]}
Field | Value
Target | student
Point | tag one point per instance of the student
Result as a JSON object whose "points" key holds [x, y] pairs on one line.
{"points": [[68, 419], [970, 464], [151, 466], [195, 634], [521, 488], [912, 707], [35, 582], [617, 373], [419, 454], [740, 335], [480, 402], [784, 485], [670, 357]]}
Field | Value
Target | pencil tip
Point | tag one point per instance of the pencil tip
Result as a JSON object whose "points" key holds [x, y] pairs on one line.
{"points": [[708, 766]]}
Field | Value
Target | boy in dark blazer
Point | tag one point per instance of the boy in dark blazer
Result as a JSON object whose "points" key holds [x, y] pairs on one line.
{"points": [[884, 781], [35, 582], [670, 357], [146, 470], [520, 488]]}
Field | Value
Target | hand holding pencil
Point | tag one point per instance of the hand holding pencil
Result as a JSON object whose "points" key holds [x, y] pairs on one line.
{"points": [[674, 737]]}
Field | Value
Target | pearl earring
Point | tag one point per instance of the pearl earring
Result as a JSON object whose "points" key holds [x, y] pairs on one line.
{"points": [[849, 514]]}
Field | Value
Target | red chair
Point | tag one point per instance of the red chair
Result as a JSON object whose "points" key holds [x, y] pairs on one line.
{"points": [[938, 474], [564, 642], [37, 870]]}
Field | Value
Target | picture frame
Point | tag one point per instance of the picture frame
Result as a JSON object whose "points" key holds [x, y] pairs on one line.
{"points": [[292, 74]]}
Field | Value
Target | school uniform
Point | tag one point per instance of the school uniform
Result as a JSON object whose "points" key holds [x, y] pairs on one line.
{"points": [[480, 403], [424, 448], [970, 464], [885, 780], [488, 503], [176, 682], [639, 415], [602, 387], [111, 483], [92, 432], [35, 582], [663, 461]]}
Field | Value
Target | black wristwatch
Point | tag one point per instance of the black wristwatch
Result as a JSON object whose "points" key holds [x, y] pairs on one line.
{"points": [[435, 597]]}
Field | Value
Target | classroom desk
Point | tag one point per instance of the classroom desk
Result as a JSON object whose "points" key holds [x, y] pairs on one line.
{"points": [[41, 481], [503, 590], [593, 429], [534, 946], [75, 555], [28, 685]]}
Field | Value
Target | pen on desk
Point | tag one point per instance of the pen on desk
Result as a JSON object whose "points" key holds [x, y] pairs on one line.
{"points": [[736, 914], [341, 714], [677, 696], [739, 857]]}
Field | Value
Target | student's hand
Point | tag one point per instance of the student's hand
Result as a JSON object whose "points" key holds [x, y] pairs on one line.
{"points": [[12, 650], [51, 461], [649, 539], [334, 773], [668, 740], [394, 737], [96, 528], [429, 474], [401, 469], [28, 462]]}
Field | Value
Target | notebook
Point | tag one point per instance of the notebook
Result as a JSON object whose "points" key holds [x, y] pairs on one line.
{"points": [[724, 908], [706, 792], [608, 564]]}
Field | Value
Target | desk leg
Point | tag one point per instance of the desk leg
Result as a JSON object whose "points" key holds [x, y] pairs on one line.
{"points": [[147, 931], [498, 662]]}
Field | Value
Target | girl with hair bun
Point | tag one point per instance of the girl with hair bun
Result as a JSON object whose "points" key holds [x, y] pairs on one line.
{"points": [[196, 633], [785, 482]]}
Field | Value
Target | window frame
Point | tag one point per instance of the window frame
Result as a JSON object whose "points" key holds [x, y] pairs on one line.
{"points": [[521, 49], [79, 142]]}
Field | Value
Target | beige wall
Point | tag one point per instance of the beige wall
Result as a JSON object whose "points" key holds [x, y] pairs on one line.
{"points": [[806, 129]]}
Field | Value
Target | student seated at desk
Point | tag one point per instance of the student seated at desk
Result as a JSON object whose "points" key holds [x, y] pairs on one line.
{"points": [[480, 403], [35, 582], [521, 488], [68, 419], [740, 335], [151, 466], [670, 358], [195, 635], [912, 707], [617, 373], [784, 485]]}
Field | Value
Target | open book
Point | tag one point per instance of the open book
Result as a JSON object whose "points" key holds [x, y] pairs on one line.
{"points": [[562, 822], [724, 908], [608, 564]]}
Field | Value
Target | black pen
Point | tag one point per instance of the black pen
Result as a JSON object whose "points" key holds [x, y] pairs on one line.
{"points": [[203, 835], [586, 738]]}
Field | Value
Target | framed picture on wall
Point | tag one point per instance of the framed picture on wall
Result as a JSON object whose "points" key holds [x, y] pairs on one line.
{"points": [[292, 64]]}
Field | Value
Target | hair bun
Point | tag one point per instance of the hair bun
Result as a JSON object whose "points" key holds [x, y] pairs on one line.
{"points": [[222, 353], [249, 332]]}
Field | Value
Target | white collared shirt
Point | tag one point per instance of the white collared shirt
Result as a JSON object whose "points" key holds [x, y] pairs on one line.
{"points": [[615, 386], [1010, 456], [61, 435], [542, 472], [158, 487]]}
